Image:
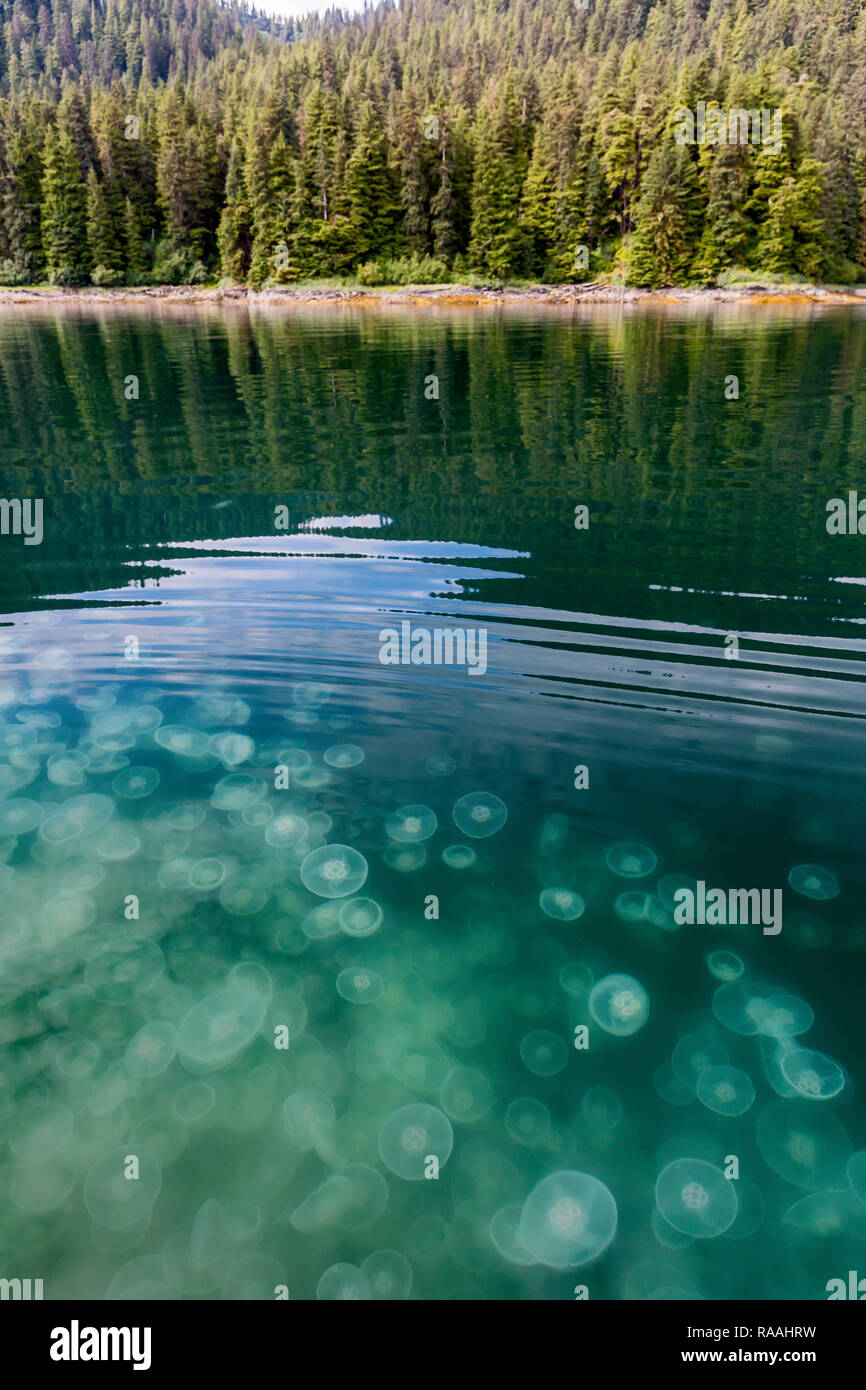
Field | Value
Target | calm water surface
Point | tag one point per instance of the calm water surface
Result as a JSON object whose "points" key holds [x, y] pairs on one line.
{"points": [[193, 704]]}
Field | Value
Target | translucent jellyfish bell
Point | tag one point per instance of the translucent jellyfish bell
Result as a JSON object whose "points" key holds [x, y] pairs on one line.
{"points": [[134, 783], [334, 871], [410, 1135], [479, 814], [231, 748], [553, 835], [631, 860], [343, 1282], [619, 1004], [289, 828], [237, 791], [360, 917], [563, 904], [20, 815], [568, 1219], [725, 966], [811, 1074], [748, 1006], [527, 1121], [79, 815], [459, 856], [405, 859], [359, 985], [544, 1053], [206, 875], [696, 1198], [221, 1026], [804, 1143], [693, 1055], [114, 1194], [343, 755], [121, 970], [466, 1095], [856, 1174], [726, 1090], [442, 765], [389, 1275], [813, 881], [821, 1213], [152, 1049], [411, 824]]}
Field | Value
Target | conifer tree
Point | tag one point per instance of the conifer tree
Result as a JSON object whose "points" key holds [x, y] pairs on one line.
{"points": [[64, 212]]}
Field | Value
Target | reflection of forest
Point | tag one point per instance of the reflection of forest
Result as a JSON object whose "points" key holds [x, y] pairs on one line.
{"points": [[328, 413]]}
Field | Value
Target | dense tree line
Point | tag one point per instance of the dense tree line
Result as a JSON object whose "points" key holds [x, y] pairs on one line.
{"points": [[180, 141]]}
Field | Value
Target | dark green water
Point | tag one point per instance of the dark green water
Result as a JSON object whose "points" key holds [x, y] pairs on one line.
{"points": [[220, 559]]}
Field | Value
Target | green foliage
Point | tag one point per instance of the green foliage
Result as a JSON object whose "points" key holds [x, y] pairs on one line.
{"points": [[404, 270]]}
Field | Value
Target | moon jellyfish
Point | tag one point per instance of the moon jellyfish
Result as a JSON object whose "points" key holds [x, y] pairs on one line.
{"points": [[619, 1004], [479, 814], [405, 859], [367, 1197], [237, 791], [119, 1194], [186, 817], [466, 1095], [343, 755], [505, 1237], [528, 1121], [411, 824], [289, 828], [37, 1188], [152, 1050], [805, 929], [122, 970], [812, 1074], [696, 1198], [576, 979], [141, 1279], [821, 1213], [20, 816], [668, 886], [813, 881], [568, 1219], [389, 1275], [412, 1134], [635, 906], [253, 1278], [343, 1281], [563, 904], [750, 1211], [359, 985], [231, 748], [630, 860], [668, 1085], [750, 1006], [321, 921], [804, 1143], [133, 783], [441, 765], [334, 871], [323, 1207], [307, 1114], [459, 856], [194, 1101], [693, 1055], [553, 835], [725, 966], [76, 817], [243, 896], [221, 1026], [601, 1108], [207, 874], [39, 1130], [544, 1053], [726, 1090], [667, 1235]]}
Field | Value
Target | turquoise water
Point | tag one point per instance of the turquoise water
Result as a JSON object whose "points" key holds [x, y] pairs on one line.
{"points": [[205, 1055]]}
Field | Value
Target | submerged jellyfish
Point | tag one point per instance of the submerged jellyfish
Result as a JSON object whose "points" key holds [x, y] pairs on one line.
{"points": [[289, 828], [343, 1281], [635, 906], [805, 1144], [412, 1134], [121, 970], [389, 1275], [182, 740], [343, 755], [693, 1055], [323, 1207], [821, 1213], [194, 1101], [152, 1050], [405, 859], [479, 814], [231, 748], [41, 1129], [459, 856], [19, 816], [812, 1074], [359, 985], [359, 917], [237, 791], [221, 1025], [805, 929], [563, 904], [813, 881], [76, 817], [527, 1121], [668, 1085], [334, 871], [568, 1219], [856, 1174], [243, 896], [726, 1090], [466, 1095], [576, 978], [119, 1193], [631, 860], [601, 1108], [441, 765], [619, 1004], [553, 835], [135, 782], [307, 1115], [207, 874], [748, 1006], [696, 1198], [544, 1053], [725, 966], [411, 824]]}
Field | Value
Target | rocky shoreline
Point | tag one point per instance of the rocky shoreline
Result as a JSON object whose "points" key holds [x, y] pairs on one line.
{"points": [[596, 292]]}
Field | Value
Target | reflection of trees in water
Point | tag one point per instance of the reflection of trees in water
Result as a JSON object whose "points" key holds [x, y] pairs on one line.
{"points": [[328, 413]]}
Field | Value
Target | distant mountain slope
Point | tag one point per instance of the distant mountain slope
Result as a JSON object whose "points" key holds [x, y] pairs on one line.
{"points": [[178, 139]]}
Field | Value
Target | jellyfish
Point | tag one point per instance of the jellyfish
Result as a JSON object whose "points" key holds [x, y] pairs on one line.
{"points": [[725, 966], [120, 971], [527, 1121], [601, 1108], [748, 1006], [237, 791], [253, 1277], [668, 1235], [367, 1197], [441, 765], [40, 1130], [576, 979], [670, 885], [206, 875], [342, 755], [334, 871], [410, 824], [307, 1114], [140, 1279], [544, 1053], [812, 1074], [119, 1195], [563, 904], [813, 881], [343, 1281], [635, 906], [194, 1101], [726, 1090], [186, 817], [804, 1143], [323, 1207], [152, 1050], [412, 1134], [553, 835], [479, 814], [312, 779], [231, 748], [568, 1219], [288, 828], [359, 985], [696, 1198], [750, 1211], [821, 1213], [321, 921], [459, 856], [79, 815], [466, 1095], [134, 783], [619, 1004], [405, 859], [630, 860], [38, 1188], [221, 1025], [244, 895], [668, 1085], [389, 1275], [693, 1055], [805, 929]]}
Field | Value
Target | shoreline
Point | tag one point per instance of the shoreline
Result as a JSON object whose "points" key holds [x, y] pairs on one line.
{"points": [[457, 296]]}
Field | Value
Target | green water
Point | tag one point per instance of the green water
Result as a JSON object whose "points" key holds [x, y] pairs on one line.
{"points": [[226, 540]]}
